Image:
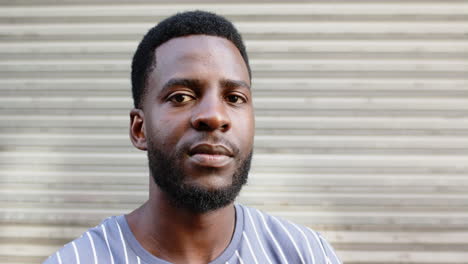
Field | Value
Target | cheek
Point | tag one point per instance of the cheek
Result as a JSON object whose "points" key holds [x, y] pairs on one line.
{"points": [[245, 130], [170, 129], [168, 132]]}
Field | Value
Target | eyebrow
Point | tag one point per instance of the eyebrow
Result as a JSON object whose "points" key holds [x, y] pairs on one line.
{"points": [[234, 83], [193, 84], [196, 84]]}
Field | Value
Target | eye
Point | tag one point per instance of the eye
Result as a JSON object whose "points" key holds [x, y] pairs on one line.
{"points": [[235, 99], [180, 98]]}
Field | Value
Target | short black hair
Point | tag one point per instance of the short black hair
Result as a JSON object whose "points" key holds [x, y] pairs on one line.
{"points": [[179, 25]]}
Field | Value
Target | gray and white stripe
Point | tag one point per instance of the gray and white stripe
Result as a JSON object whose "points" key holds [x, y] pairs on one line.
{"points": [[107, 243], [123, 242], [260, 239], [273, 237], [320, 244], [91, 241], [77, 256], [239, 257], [59, 258], [309, 247], [258, 236], [330, 249], [290, 238], [250, 247]]}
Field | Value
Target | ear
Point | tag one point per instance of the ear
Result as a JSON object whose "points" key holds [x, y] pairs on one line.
{"points": [[137, 129]]}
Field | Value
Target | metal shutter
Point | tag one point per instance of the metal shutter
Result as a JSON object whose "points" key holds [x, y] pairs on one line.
{"points": [[361, 109]]}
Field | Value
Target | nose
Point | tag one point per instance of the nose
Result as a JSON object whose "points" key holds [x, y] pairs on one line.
{"points": [[211, 114]]}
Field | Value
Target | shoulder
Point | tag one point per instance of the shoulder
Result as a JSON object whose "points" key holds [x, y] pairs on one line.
{"points": [[92, 245], [288, 238]]}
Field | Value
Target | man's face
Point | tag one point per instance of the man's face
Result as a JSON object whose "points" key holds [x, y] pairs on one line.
{"points": [[199, 122]]}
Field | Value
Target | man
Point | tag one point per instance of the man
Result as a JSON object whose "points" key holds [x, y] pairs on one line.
{"points": [[194, 116]]}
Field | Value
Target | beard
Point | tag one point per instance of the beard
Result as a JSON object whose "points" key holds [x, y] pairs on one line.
{"points": [[168, 174]]}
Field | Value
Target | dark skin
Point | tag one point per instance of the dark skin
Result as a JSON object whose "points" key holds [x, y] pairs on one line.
{"points": [[200, 86]]}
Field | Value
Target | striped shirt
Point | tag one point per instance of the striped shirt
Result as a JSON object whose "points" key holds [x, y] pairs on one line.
{"points": [[258, 238]]}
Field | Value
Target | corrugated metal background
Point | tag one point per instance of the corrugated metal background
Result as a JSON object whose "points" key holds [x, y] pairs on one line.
{"points": [[362, 121]]}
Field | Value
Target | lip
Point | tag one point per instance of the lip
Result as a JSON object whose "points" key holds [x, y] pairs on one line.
{"points": [[208, 155], [210, 149]]}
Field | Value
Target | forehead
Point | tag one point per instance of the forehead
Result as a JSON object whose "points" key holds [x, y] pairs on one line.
{"points": [[199, 57]]}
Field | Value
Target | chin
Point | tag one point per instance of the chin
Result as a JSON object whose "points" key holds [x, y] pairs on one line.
{"points": [[210, 178], [203, 198], [194, 189]]}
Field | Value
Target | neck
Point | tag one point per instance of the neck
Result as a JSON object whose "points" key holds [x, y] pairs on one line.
{"points": [[178, 235]]}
